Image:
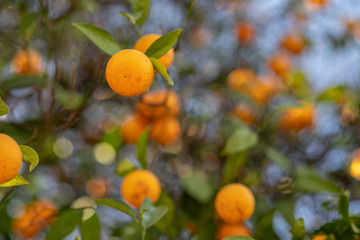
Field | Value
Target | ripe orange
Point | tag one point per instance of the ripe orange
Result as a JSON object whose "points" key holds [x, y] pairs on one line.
{"points": [[139, 184], [260, 91], [165, 130], [129, 73], [355, 167], [159, 103], [27, 62], [10, 158], [244, 112], [132, 127], [320, 237], [245, 32], [234, 203], [97, 187], [144, 43], [293, 42], [314, 5], [36, 217], [228, 230], [298, 118], [239, 78], [280, 63]]}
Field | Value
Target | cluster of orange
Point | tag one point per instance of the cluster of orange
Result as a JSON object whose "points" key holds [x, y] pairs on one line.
{"points": [[27, 61]]}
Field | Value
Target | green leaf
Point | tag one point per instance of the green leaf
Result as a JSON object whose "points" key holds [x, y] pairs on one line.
{"points": [[22, 81], [30, 156], [90, 228], [335, 94], [124, 167], [163, 44], [198, 186], [113, 138], [232, 165], [3, 108], [298, 230], [160, 68], [141, 145], [118, 205], [28, 24], [242, 139], [278, 157], [141, 7], [166, 224], [146, 205], [151, 214], [238, 238], [70, 99], [264, 227], [344, 204], [132, 17], [100, 37], [64, 224], [76, 238], [16, 181]]}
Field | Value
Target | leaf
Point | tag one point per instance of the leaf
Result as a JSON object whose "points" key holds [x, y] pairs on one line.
{"points": [[278, 157], [70, 99], [344, 204], [198, 186], [335, 94], [160, 68], [232, 165], [90, 228], [28, 24], [132, 17], [30, 156], [100, 37], [166, 224], [146, 205], [76, 238], [64, 224], [141, 145], [163, 44], [16, 181], [298, 229], [113, 138], [118, 205], [238, 238], [141, 7], [3, 108], [22, 81], [242, 139], [152, 215], [264, 227], [124, 167]]}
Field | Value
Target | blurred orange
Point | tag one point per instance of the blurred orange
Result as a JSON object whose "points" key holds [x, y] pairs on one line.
{"points": [[298, 118], [27, 62], [314, 5], [263, 89], [227, 230], [132, 127], [293, 42], [97, 187], [238, 78], [280, 63], [245, 32], [245, 113], [320, 237], [165, 130]]}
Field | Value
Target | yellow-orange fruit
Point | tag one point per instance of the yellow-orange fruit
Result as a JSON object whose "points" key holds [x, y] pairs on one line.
{"points": [[260, 92], [239, 78], [228, 230], [355, 167], [280, 63], [234, 203], [314, 5], [139, 184], [245, 32], [298, 118], [27, 62], [36, 217], [10, 158], [144, 43], [293, 42], [159, 103], [244, 112], [320, 237], [129, 73], [97, 187], [165, 130], [132, 127]]}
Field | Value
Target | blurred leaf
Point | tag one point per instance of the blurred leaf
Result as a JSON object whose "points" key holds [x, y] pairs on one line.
{"points": [[118, 205], [141, 7], [16, 181], [100, 37], [70, 99], [113, 138], [264, 227], [286, 208], [308, 180], [242, 139], [278, 157], [160, 68], [76, 238], [207, 232], [3, 108], [344, 204], [64, 224], [28, 24], [141, 145], [22, 81], [30, 156], [163, 44], [146, 205], [132, 17], [90, 228], [232, 165], [335, 94], [198, 186], [151, 214], [298, 229], [238, 238], [124, 167], [166, 224], [340, 228]]}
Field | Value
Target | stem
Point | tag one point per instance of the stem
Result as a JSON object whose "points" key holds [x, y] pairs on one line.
{"points": [[143, 234], [7, 196]]}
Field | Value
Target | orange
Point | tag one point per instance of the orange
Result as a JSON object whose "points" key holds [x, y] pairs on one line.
{"points": [[239, 78], [244, 112], [314, 5], [10, 158], [293, 42], [320, 237], [298, 118], [234, 203], [280, 63], [228, 230], [36, 217], [165, 130], [144, 43], [260, 91], [97, 187], [129, 73], [159, 103], [132, 127], [27, 62], [245, 32], [139, 184], [355, 168]]}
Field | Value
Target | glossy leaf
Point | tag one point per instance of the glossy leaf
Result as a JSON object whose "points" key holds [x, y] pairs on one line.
{"points": [[90, 228], [141, 7], [64, 224], [163, 44], [3, 108], [160, 68], [30, 156], [242, 139], [118, 205], [16, 181], [141, 145]]}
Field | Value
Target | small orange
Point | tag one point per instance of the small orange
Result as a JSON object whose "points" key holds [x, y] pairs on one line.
{"points": [[132, 127], [314, 5], [245, 32], [239, 78], [144, 43], [129, 73], [165, 130], [234, 203], [139, 184], [159, 103], [298, 118], [293, 43], [10, 158], [27, 62], [97, 187], [320, 237], [280, 63], [228, 230], [245, 113], [36, 217]]}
